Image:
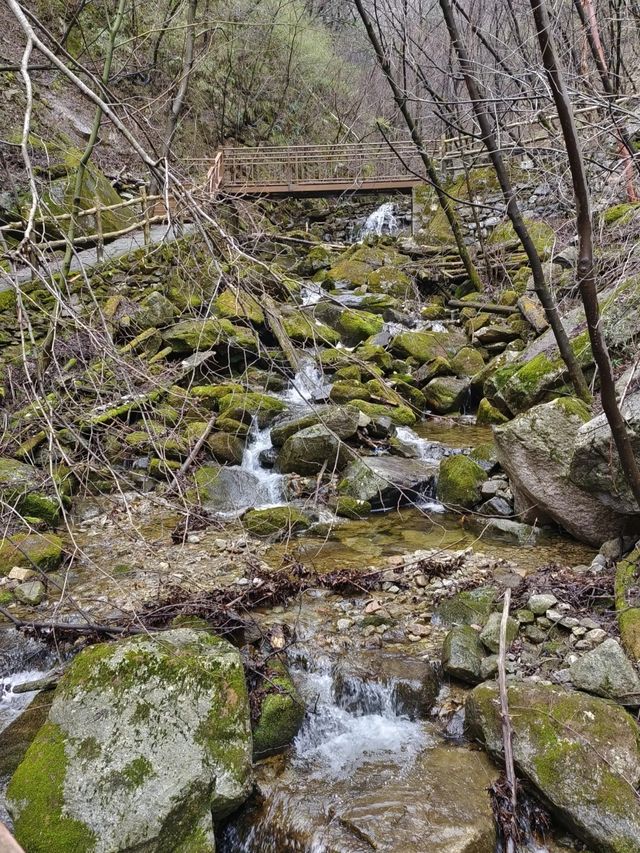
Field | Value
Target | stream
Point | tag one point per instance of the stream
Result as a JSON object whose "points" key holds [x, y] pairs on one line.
{"points": [[367, 771]]}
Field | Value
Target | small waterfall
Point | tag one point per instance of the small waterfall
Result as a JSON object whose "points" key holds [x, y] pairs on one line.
{"points": [[308, 383], [269, 490], [344, 738], [381, 221], [22, 659]]}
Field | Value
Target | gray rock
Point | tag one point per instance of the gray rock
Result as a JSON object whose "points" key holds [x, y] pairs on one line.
{"points": [[388, 481], [496, 506], [229, 490], [489, 667], [462, 654], [535, 449], [539, 603], [490, 635], [341, 420], [308, 450], [30, 592], [150, 739], [580, 752], [606, 671], [511, 530], [415, 682]]}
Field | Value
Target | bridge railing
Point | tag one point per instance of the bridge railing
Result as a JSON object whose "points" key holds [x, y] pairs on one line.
{"points": [[317, 165]]}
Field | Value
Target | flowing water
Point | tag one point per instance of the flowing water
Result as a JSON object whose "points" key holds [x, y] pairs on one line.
{"points": [[382, 221]]}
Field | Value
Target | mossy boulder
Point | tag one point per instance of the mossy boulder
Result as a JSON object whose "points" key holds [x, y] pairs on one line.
{"points": [[423, 346], [346, 390], [155, 312], [469, 607], [490, 635], [236, 305], [347, 507], [226, 447], [172, 749], [579, 752], [210, 395], [467, 362], [275, 520], [197, 335], [311, 449], [305, 330], [488, 414], [281, 712], [374, 354], [400, 415], [355, 326], [628, 603], [40, 550], [22, 487], [543, 236], [390, 280], [620, 213], [250, 405], [462, 654], [535, 450], [445, 394], [459, 481], [341, 420], [386, 482]]}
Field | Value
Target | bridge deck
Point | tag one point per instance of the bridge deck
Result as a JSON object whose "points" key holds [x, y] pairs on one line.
{"points": [[309, 169]]}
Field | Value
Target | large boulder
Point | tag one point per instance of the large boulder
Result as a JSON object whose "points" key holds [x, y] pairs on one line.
{"points": [[307, 451], [445, 394], [198, 335], [535, 450], [388, 481], [595, 464], [275, 520], [228, 490], [343, 421], [147, 744], [426, 346], [581, 754], [249, 406]]}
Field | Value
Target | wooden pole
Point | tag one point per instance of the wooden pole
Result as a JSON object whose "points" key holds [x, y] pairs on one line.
{"points": [[146, 230], [100, 244]]}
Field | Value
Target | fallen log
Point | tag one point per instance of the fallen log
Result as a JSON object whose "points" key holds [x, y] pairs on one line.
{"points": [[490, 307]]}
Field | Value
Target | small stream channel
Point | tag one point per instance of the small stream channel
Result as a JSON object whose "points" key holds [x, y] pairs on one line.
{"points": [[365, 772]]}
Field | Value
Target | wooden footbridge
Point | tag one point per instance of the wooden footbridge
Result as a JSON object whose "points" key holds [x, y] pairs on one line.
{"points": [[316, 169]]}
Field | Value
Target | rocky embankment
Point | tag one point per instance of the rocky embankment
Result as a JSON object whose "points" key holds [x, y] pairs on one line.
{"points": [[273, 401]]}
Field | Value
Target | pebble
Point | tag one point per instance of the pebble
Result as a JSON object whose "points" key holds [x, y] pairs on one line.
{"points": [[579, 631], [596, 636], [394, 590], [344, 624], [20, 574], [589, 624], [421, 580], [372, 607], [554, 615], [570, 622]]}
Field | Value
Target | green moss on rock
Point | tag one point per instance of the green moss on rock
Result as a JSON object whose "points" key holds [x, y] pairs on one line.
{"points": [[488, 414], [400, 415], [459, 482], [44, 551], [281, 712], [353, 508], [275, 520]]}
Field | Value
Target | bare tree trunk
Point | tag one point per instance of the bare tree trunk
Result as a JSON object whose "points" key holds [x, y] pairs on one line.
{"points": [[587, 15], [177, 105], [401, 101], [513, 210], [586, 273]]}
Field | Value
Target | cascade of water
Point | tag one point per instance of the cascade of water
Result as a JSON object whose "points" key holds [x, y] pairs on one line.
{"points": [[381, 221], [268, 483], [308, 383]]}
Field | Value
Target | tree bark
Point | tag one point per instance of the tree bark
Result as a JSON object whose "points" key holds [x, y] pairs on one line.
{"points": [[513, 210], [401, 101], [586, 271]]}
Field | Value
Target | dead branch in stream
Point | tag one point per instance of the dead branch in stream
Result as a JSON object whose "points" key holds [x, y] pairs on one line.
{"points": [[509, 824]]}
